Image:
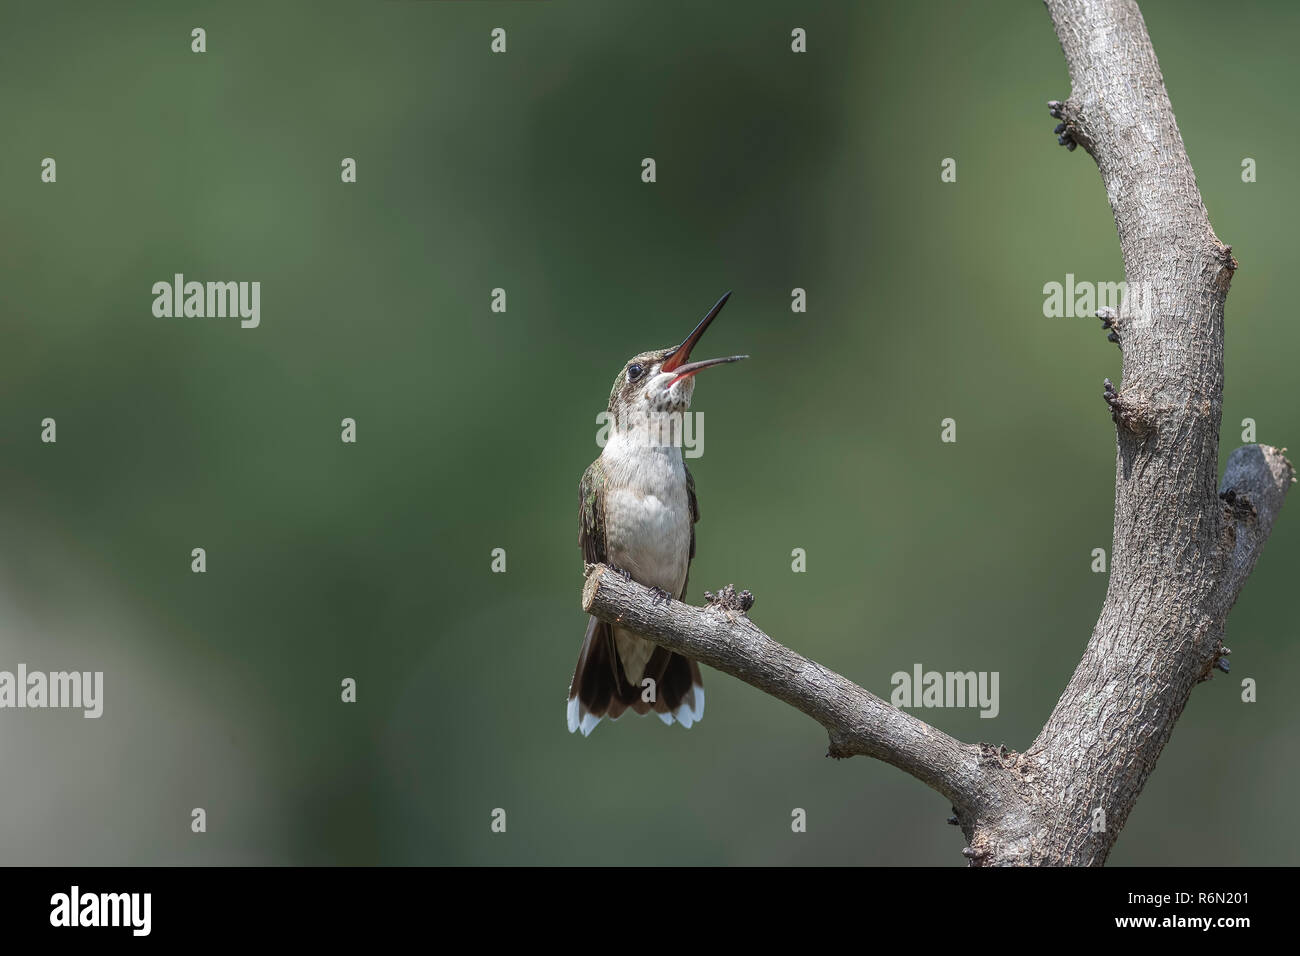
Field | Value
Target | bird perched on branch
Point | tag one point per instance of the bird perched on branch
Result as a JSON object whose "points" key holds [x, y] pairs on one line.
{"points": [[636, 512]]}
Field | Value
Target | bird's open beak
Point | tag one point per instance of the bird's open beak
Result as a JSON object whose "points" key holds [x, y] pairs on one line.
{"points": [[677, 361]]}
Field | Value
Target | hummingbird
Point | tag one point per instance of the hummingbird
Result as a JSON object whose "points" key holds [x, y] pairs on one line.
{"points": [[637, 510]]}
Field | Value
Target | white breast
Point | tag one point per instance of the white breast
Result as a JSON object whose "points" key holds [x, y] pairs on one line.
{"points": [[647, 513]]}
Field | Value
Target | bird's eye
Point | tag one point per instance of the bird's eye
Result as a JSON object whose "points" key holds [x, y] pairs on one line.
{"points": [[634, 372]]}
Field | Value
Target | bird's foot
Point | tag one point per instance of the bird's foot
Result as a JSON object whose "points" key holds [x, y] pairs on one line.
{"points": [[627, 575], [659, 596]]}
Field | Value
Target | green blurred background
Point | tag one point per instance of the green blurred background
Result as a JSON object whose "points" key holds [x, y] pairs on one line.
{"points": [[522, 171]]}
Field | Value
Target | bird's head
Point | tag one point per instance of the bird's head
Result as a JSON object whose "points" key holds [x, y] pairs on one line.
{"points": [[662, 381]]}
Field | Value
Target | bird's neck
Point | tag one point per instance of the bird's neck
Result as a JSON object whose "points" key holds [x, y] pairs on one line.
{"points": [[630, 461]]}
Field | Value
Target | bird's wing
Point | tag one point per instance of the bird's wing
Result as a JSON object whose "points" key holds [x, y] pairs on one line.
{"points": [[695, 516], [599, 688], [591, 514]]}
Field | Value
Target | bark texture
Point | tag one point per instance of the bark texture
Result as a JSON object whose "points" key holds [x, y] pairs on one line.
{"points": [[1182, 549], [1180, 552]]}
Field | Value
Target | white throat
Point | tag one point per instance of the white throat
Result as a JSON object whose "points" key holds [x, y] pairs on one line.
{"points": [[632, 462]]}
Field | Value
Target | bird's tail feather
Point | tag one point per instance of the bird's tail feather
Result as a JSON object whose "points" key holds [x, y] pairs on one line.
{"points": [[601, 689]]}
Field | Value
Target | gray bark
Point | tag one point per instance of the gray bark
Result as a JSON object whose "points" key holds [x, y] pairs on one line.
{"points": [[1182, 548]]}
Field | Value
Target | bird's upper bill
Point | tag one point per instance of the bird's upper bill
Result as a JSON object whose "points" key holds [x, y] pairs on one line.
{"points": [[678, 359]]}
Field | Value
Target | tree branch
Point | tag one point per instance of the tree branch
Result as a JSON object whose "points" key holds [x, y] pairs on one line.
{"points": [[1179, 555], [1182, 547], [857, 721], [1254, 486]]}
